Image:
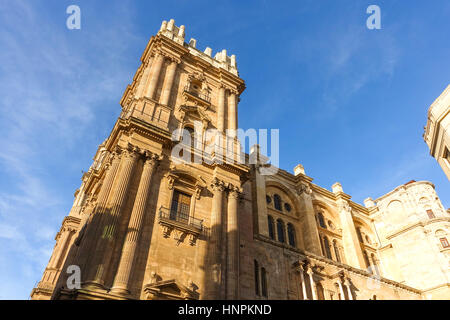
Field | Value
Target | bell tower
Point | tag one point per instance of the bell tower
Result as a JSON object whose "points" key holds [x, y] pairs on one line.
{"points": [[176, 78], [144, 226]]}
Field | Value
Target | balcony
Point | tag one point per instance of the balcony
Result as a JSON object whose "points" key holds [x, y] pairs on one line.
{"points": [[198, 96], [180, 225]]}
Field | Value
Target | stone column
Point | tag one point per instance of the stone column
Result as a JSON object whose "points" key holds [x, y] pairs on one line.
{"points": [[302, 279], [258, 182], [154, 75], [349, 291], [216, 240], [352, 247], [104, 249], [92, 229], [313, 284], [341, 290], [374, 265], [233, 245], [221, 110], [232, 113], [144, 79], [62, 243], [168, 82], [123, 275], [311, 239]]}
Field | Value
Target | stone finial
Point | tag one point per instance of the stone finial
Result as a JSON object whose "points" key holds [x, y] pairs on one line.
{"points": [[224, 55], [208, 51], [170, 25], [256, 157], [369, 203], [233, 60], [193, 43], [337, 187], [163, 26], [299, 170], [181, 32]]}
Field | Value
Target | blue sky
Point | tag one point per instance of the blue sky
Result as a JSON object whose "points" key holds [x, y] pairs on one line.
{"points": [[350, 103]]}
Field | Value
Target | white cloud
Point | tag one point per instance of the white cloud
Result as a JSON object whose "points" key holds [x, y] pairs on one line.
{"points": [[55, 86]]}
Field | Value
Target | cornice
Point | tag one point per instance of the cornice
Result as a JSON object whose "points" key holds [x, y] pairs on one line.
{"points": [[346, 267], [323, 191], [330, 233], [403, 186], [420, 224], [388, 246]]}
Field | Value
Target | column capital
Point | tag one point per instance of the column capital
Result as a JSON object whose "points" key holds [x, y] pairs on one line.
{"points": [[131, 151], [218, 184], [304, 188], [233, 91], [343, 205], [150, 158], [234, 191], [173, 60], [167, 56]]}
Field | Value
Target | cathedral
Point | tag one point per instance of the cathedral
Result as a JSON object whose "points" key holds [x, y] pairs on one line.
{"points": [[148, 225]]}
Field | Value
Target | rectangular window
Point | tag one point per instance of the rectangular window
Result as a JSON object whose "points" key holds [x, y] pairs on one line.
{"points": [[181, 205], [430, 214], [360, 238], [256, 278], [444, 243], [264, 282]]}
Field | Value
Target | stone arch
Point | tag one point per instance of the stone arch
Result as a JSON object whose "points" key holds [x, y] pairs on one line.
{"points": [[291, 196], [366, 229], [329, 213], [395, 207]]}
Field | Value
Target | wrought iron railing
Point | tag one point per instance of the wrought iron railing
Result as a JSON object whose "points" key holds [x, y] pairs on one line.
{"points": [[205, 97], [172, 215]]}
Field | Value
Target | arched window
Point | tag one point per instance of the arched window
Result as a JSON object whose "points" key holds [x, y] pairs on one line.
{"points": [[336, 251], [263, 282], [321, 220], [280, 231], [321, 245], [271, 227], [326, 244], [256, 277], [277, 202], [366, 260], [291, 234], [287, 207]]}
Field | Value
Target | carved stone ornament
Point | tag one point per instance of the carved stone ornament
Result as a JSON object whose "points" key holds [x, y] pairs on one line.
{"points": [[192, 239], [170, 181], [304, 188], [167, 230], [218, 184], [344, 206]]}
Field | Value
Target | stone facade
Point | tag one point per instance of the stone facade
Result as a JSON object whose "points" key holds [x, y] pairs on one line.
{"points": [[144, 226], [437, 131]]}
